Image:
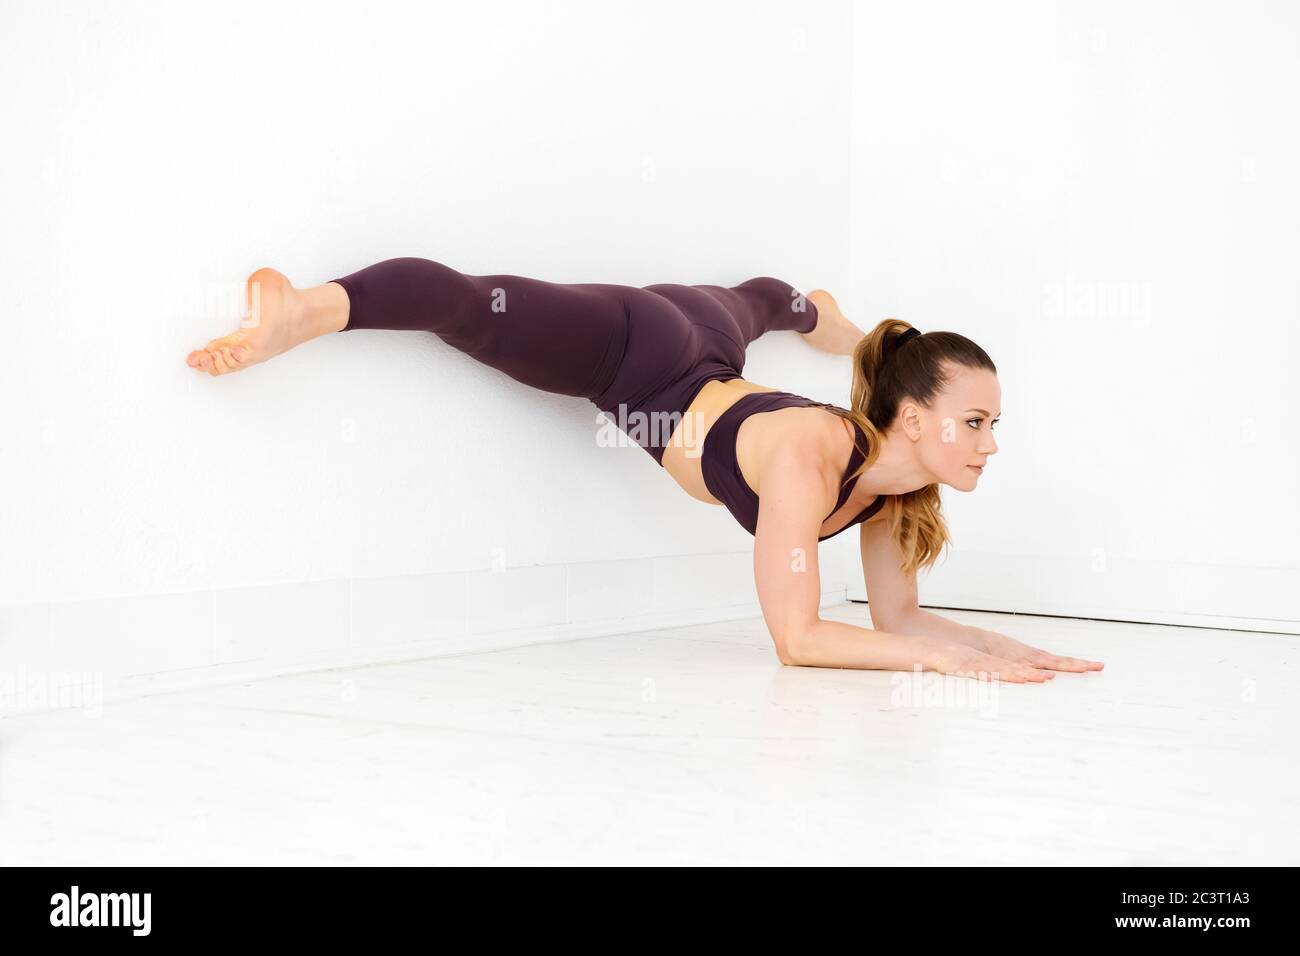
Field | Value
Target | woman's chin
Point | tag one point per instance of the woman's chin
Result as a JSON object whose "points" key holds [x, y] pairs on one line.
{"points": [[969, 480]]}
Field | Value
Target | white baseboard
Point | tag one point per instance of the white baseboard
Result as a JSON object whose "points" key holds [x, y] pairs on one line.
{"points": [[1112, 588], [83, 654]]}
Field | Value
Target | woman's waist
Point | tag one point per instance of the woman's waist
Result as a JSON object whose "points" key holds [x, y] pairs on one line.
{"points": [[663, 413], [683, 455]]}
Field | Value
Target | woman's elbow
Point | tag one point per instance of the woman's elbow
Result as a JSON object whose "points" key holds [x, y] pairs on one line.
{"points": [[792, 645]]}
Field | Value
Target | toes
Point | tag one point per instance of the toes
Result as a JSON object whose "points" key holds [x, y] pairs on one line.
{"points": [[227, 353], [217, 359]]}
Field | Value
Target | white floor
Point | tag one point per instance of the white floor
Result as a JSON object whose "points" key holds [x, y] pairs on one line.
{"points": [[691, 745]]}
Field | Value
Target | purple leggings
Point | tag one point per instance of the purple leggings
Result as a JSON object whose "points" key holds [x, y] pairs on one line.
{"points": [[626, 349]]}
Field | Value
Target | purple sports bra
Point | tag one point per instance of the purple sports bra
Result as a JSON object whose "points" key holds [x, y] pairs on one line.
{"points": [[722, 472]]}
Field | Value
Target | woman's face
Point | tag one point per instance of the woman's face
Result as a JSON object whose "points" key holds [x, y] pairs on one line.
{"points": [[956, 434]]}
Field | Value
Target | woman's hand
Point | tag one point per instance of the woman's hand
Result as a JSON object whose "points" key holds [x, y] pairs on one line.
{"points": [[1000, 645], [962, 660]]}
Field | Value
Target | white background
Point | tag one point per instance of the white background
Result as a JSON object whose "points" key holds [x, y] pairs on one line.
{"points": [[168, 151], [1102, 195]]}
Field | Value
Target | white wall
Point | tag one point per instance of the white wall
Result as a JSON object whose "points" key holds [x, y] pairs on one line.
{"points": [[372, 494], [1099, 194], [1104, 196]]}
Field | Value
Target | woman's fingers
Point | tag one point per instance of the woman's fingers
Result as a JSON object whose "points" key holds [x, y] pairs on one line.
{"points": [[1038, 657], [1014, 673], [1035, 676], [1023, 671], [965, 661], [1058, 663], [988, 667], [1075, 664]]}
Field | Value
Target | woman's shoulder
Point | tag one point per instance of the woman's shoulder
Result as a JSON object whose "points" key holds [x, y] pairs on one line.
{"points": [[802, 436], [796, 425]]}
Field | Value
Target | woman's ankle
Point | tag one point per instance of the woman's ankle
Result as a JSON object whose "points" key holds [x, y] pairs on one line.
{"points": [[324, 309]]}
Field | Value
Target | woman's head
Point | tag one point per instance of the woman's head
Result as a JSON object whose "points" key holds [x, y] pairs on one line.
{"points": [[937, 393]]}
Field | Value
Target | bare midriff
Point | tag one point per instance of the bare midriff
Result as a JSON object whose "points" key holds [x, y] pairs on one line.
{"points": [[681, 458]]}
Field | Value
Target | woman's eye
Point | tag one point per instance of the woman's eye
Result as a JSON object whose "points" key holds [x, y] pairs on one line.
{"points": [[974, 422]]}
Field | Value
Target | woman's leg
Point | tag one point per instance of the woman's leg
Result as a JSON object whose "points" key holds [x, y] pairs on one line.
{"points": [[276, 318], [561, 338], [766, 304], [726, 319], [833, 332], [566, 339]]}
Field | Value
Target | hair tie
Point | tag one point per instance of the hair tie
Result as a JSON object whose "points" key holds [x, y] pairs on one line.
{"points": [[900, 340]]}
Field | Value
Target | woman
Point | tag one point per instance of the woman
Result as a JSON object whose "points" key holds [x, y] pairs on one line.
{"points": [[664, 363]]}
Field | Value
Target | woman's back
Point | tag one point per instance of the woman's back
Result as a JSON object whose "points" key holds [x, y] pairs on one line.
{"points": [[718, 462], [681, 459]]}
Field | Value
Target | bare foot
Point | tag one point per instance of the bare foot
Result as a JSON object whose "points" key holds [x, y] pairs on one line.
{"points": [[276, 318], [834, 332]]}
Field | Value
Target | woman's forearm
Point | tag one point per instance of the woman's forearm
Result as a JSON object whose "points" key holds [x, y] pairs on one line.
{"points": [[836, 644]]}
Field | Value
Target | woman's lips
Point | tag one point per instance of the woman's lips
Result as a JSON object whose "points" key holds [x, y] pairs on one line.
{"points": [[979, 468]]}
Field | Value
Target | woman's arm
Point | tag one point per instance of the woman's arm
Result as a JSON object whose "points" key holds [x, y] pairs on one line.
{"points": [[1014, 650], [792, 497], [891, 594], [892, 601], [917, 621], [795, 497]]}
